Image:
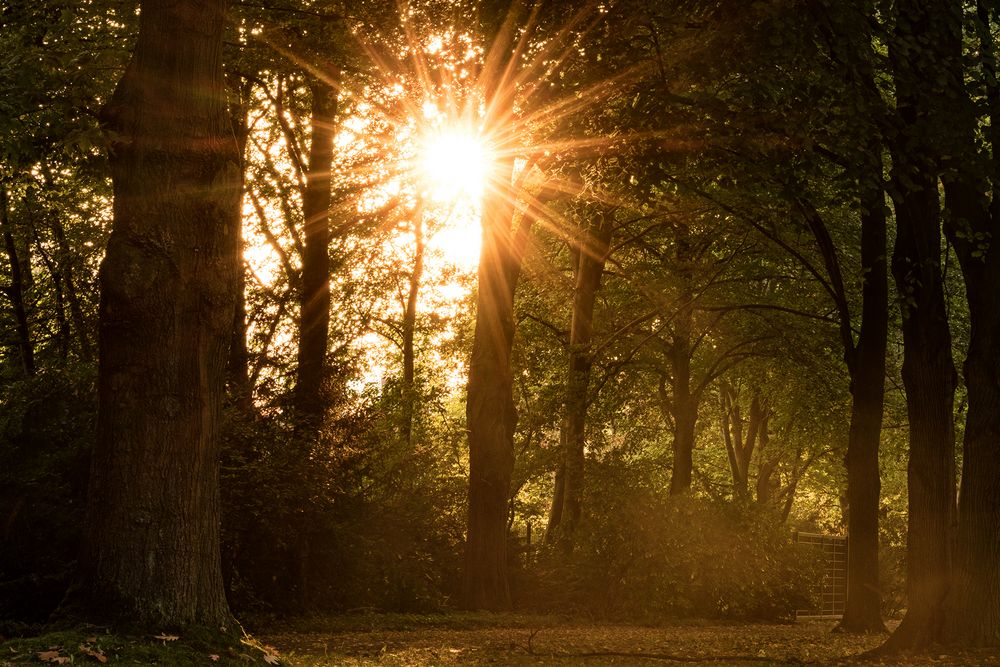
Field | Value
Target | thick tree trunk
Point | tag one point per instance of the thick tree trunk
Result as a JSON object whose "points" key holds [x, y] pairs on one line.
{"points": [[863, 611], [168, 288], [314, 297], [25, 348], [928, 370], [490, 413], [974, 603], [591, 258]]}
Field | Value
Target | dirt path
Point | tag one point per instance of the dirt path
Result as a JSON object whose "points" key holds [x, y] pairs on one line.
{"points": [[560, 643]]}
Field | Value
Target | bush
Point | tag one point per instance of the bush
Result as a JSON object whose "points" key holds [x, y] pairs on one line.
{"points": [[643, 554]]}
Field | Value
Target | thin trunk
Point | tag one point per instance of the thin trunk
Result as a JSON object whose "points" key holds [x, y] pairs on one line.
{"points": [[591, 258], [238, 366], [168, 286], [16, 292], [314, 297], [62, 324], [409, 329], [685, 403], [75, 307]]}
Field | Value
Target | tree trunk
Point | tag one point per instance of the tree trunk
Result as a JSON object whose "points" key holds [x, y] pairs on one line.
{"points": [[238, 366], [591, 259], [25, 349], [863, 611], [974, 603], [685, 403], [75, 308], [928, 370], [490, 413], [168, 288], [314, 297], [409, 329]]}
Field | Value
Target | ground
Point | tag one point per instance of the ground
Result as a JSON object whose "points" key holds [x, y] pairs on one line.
{"points": [[476, 639]]}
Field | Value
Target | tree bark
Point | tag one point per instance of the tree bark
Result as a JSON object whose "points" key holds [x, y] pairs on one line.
{"points": [[973, 227], [490, 413], [591, 257], [168, 288], [928, 370], [314, 301]]}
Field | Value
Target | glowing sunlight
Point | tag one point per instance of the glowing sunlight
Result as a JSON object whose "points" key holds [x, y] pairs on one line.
{"points": [[454, 163]]}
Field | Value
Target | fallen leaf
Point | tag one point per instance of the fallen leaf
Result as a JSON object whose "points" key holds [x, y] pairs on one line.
{"points": [[94, 653], [166, 638], [271, 659], [52, 656]]}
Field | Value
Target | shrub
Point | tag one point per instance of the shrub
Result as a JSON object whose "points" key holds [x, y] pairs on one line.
{"points": [[642, 553]]}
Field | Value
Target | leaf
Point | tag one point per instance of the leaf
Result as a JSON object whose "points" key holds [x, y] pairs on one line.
{"points": [[93, 652], [166, 638], [52, 656], [271, 659]]}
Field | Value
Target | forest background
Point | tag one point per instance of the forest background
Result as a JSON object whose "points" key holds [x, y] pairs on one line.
{"points": [[674, 341]]}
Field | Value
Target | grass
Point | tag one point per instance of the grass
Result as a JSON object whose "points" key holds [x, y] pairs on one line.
{"points": [[368, 639]]}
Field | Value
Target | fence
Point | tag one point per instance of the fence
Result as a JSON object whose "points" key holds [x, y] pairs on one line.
{"points": [[832, 589]]}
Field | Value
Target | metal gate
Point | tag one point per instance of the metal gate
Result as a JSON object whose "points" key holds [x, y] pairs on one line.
{"points": [[832, 589]]}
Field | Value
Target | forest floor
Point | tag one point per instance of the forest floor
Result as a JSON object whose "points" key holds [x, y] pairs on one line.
{"points": [[525, 640], [477, 639]]}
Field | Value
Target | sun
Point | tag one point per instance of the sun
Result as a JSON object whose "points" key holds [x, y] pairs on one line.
{"points": [[454, 165]]}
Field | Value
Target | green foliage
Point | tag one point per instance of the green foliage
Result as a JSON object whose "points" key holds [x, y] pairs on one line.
{"points": [[642, 554], [353, 519]]}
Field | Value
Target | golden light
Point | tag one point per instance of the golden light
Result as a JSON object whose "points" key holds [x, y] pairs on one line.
{"points": [[455, 164]]}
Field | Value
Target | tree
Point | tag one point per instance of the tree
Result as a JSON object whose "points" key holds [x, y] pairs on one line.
{"points": [[168, 282], [928, 370]]}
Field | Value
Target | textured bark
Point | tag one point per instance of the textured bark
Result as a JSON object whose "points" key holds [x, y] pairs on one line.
{"points": [[928, 371], [168, 288], [25, 348], [590, 260], [490, 413], [314, 297]]}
